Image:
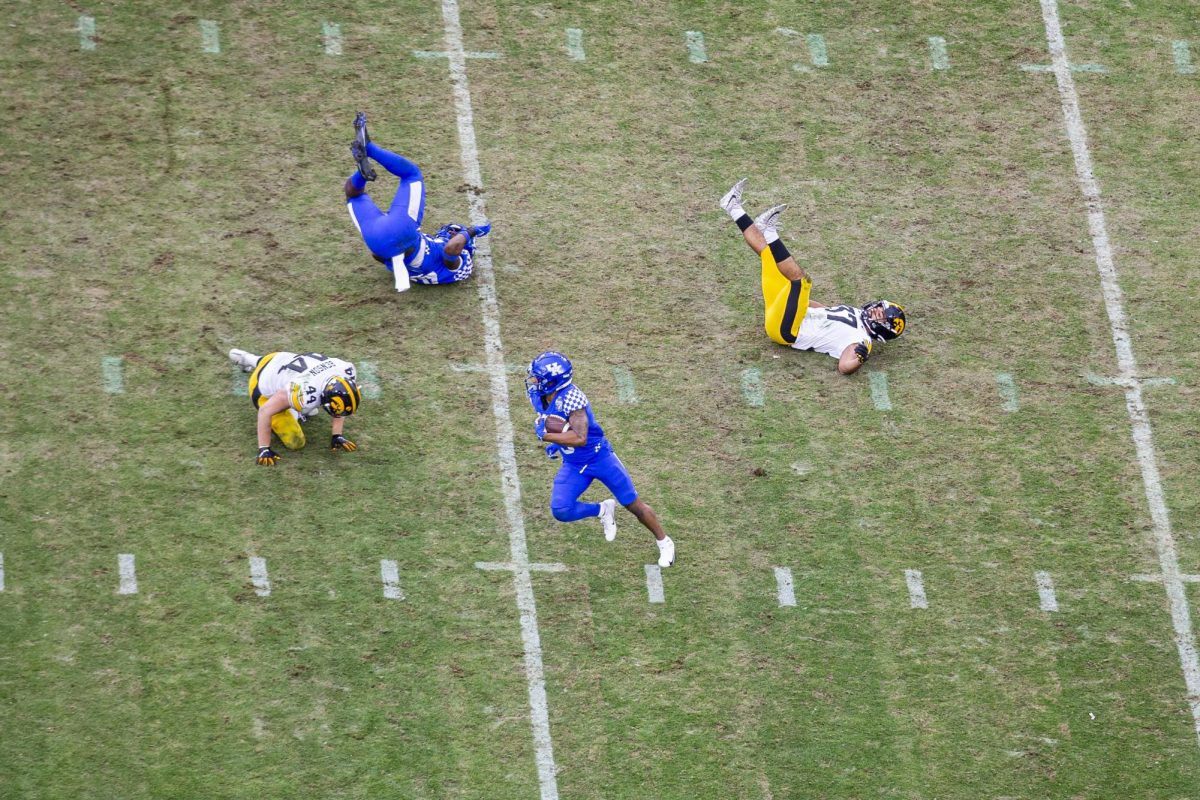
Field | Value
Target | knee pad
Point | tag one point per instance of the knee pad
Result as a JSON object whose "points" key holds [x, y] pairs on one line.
{"points": [[288, 430], [562, 513]]}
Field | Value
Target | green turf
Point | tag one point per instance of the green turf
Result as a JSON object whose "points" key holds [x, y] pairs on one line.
{"points": [[163, 204]]}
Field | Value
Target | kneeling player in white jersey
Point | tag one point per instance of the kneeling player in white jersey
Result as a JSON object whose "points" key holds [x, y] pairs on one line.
{"points": [[844, 332], [289, 388]]}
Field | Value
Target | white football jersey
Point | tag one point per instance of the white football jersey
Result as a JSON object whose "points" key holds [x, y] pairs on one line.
{"points": [[831, 330], [302, 376]]}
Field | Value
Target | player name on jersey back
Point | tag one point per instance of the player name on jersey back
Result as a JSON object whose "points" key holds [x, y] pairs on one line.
{"points": [[302, 376], [831, 330]]}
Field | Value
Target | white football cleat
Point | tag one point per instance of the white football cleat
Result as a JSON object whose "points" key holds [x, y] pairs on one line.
{"points": [[247, 361], [608, 518], [768, 221], [666, 552], [733, 198]]}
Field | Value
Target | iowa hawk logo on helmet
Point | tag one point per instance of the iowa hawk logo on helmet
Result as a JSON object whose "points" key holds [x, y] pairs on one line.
{"points": [[888, 328], [340, 397]]}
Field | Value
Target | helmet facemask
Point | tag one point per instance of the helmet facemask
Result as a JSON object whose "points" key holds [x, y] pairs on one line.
{"points": [[887, 328]]}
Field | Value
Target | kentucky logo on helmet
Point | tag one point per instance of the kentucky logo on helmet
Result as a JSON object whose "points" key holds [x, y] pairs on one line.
{"points": [[340, 397], [547, 373]]}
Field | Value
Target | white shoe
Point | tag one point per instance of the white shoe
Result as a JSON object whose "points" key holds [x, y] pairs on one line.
{"points": [[666, 552], [733, 198], [608, 518], [247, 361], [768, 221]]}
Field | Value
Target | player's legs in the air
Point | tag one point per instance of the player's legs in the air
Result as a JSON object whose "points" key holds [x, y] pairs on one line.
{"points": [[785, 286], [386, 235], [569, 484], [785, 302], [410, 194]]}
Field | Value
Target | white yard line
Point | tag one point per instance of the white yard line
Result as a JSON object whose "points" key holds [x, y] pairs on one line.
{"points": [[1008, 392], [210, 36], [1099, 68], [879, 391], [626, 393], [1, 572], [695, 46], [113, 370], [241, 381], [575, 44], [939, 59], [1183, 58], [817, 50], [444, 54], [258, 576], [513, 368], [787, 591], [389, 571], [654, 584], [752, 387], [128, 573], [368, 379], [1045, 586], [916, 588], [1143, 439], [485, 279], [332, 33], [87, 33], [1100, 380]]}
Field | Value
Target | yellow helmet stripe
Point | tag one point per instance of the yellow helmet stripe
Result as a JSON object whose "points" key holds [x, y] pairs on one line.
{"points": [[352, 387]]}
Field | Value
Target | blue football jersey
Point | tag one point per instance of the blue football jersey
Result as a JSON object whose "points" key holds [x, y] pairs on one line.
{"points": [[426, 262], [571, 399]]}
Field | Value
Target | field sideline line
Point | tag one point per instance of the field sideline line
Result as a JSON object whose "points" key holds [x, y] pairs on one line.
{"points": [[1143, 439], [510, 482]]}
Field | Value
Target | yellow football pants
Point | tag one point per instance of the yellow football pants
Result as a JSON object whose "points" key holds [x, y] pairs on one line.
{"points": [[284, 424], [785, 302]]}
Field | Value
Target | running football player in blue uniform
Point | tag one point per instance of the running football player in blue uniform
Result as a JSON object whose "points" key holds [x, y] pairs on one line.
{"points": [[394, 238], [586, 454]]}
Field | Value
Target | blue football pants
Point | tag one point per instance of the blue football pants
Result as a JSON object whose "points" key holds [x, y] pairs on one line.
{"points": [[573, 480]]}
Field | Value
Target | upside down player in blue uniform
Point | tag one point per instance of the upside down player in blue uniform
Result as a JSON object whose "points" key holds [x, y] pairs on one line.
{"points": [[586, 454], [395, 238]]}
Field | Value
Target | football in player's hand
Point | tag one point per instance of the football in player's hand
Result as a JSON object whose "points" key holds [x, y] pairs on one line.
{"points": [[556, 424]]}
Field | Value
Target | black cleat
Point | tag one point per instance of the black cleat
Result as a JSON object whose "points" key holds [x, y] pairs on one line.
{"points": [[360, 129], [359, 151]]}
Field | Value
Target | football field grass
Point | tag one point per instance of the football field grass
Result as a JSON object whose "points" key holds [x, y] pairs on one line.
{"points": [[173, 188]]}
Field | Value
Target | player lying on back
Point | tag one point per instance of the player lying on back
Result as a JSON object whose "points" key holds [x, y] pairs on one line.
{"points": [[289, 388], [565, 421], [395, 238], [845, 332]]}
